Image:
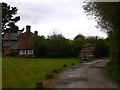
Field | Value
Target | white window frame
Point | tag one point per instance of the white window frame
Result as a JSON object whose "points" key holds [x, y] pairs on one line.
{"points": [[30, 52], [22, 52]]}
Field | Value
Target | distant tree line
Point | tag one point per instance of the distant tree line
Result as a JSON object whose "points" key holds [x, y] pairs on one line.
{"points": [[57, 46]]}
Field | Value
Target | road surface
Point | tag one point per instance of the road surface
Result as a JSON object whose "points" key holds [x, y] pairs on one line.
{"points": [[86, 75]]}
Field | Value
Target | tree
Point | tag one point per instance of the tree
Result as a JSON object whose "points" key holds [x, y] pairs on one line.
{"points": [[105, 13], [79, 36], [78, 43], [56, 44], [39, 46], [107, 16], [8, 19]]}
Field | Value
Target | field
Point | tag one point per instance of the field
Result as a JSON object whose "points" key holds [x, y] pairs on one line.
{"points": [[26, 72]]}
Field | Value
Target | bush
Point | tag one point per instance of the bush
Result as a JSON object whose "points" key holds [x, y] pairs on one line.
{"points": [[39, 85], [64, 65], [73, 63], [80, 62]]}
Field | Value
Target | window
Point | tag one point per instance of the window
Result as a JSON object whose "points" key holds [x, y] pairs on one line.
{"points": [[22, 52], [30, 51]]}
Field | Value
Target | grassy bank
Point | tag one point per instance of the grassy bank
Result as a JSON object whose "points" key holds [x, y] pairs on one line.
{"points": [[113, 72], [26, 72]]}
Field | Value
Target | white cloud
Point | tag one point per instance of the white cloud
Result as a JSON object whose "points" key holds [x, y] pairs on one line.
{"points": [[64, 15]]}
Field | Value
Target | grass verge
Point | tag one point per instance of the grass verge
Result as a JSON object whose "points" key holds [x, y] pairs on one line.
{"points": [[113, 72]]}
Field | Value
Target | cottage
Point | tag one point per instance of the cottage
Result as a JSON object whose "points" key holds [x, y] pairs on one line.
{"points": [[88, 51], [10, 43], [19, 43], [25, 44]]}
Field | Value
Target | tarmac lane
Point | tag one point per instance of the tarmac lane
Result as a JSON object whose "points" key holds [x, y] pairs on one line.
{"points": [[86, 75]]}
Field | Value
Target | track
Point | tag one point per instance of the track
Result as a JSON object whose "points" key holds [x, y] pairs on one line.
{"points": [[86, 75]]}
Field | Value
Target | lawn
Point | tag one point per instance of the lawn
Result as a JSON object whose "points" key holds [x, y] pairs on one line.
{"points": [[26, 72]]}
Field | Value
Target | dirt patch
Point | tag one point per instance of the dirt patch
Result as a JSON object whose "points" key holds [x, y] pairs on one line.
{"points": [[50, 83]]}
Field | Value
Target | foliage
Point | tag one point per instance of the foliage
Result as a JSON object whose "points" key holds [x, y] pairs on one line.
{"points": [[107, 16], [105, 13], [57, 46], [8, 19], [113, 72], [102, 48], [78, 43], [39, 47], [79, 36]]}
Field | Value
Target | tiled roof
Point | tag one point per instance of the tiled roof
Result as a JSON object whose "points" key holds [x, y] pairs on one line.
{"points": [[19, 41], [7, 43], [14, 46], [11, 36]]}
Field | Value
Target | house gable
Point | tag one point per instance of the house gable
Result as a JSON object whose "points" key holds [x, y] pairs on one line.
{"points": [[19, 43]]}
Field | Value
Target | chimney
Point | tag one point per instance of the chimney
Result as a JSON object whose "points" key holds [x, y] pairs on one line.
{"points": [[28, 27], [36, 32]]}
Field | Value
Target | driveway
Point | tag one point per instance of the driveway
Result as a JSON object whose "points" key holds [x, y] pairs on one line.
{"points": [[86, 75]]}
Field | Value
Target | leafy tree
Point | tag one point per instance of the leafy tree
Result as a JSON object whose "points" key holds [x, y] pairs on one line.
{"points": [[8, 19], [79, 36], [40, 49], [107, 16], [78, 43], [92, 39], [102, 48], [56, 44]]}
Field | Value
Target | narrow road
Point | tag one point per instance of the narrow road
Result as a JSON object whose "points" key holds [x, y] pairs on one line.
{"points": [[86, 75]]}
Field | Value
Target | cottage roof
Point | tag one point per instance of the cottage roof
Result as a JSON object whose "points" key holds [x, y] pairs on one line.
{"points": [[10, 36], [7, 43], [19, 41], [14, 46]]}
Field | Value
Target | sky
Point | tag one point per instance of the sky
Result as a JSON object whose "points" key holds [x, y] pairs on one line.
{"points": [[66, 17]]}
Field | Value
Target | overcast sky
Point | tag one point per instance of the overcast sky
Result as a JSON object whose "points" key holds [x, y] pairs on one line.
{"points": [[64, 16]]}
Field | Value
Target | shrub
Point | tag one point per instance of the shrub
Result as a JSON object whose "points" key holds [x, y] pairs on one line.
{"points": [[73, 63], [80, 62], [39, 85], [64, 65]]}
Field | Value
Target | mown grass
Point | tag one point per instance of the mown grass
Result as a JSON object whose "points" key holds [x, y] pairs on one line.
{"points": [[26, 72]]}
